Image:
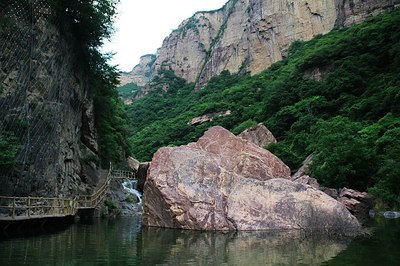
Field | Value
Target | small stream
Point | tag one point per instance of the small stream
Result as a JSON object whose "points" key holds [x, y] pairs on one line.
{"points": [[131, 187]]}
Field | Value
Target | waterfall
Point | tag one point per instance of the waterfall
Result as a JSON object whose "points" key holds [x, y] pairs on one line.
{"points": [[131, 187]]}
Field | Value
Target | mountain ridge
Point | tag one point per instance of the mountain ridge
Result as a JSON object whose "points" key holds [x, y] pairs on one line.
{"points": [[335, 96], [250, 35]]}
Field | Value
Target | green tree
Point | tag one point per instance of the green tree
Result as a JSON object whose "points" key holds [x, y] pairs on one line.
{"points": [[342, 156], [388, 175], [8, 146], [90, 21], [244, 125]]}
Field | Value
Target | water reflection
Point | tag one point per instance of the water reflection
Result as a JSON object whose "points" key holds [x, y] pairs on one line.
{"points": [[380, 248], [172, 247], [124, 242], [101, 242]]}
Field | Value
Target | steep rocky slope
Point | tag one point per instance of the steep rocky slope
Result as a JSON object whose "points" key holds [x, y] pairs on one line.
{"points": [[141, 73], [45, 107], [250, 35]]}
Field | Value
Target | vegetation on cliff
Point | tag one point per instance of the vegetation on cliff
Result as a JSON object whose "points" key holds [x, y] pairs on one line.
{"points": [[129, 90], [336, 96], [90, 23], [84, 25]]}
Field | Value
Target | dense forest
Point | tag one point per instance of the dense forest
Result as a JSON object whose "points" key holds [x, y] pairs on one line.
{"points": [[336, 97]]}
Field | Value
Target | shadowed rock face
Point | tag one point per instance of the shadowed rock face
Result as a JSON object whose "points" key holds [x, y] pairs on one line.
{"points": [[45, 102], [223, 182], [358, 203], [142, 175]]}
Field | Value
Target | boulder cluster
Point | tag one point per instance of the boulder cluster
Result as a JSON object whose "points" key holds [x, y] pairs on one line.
{"points": [[225, 182]]}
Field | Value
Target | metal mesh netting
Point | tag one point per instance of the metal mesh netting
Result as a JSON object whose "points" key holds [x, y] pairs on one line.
{"points": [[37, 95]]}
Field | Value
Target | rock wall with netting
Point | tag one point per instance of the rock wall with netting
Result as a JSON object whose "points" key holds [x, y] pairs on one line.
{"points": [[45, 109]]}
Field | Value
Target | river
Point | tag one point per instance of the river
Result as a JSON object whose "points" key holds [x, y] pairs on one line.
{"points": [[124, 241]]}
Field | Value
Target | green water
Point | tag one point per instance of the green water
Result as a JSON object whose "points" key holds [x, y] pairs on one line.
{"points": [[124, 242]]}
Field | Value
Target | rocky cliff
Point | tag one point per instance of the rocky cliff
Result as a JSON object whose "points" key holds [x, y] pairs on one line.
{"points": [[250, 35], [45, 108], [141, 73]]}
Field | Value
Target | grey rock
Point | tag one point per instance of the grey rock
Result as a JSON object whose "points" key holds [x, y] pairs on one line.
{"points": [[45, 101]]}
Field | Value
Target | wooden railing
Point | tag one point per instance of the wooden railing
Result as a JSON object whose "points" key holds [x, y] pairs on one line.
{"points": [[12, 208], [119, 174], [92, 201]]}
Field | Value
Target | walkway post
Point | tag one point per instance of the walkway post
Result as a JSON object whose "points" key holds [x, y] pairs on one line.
{"points": [[29, 206], [41, 199], [13, 209]]}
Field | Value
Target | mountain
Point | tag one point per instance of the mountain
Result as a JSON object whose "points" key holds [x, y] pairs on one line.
{"points": [[336, 96], [142, 73], [250, 35]]}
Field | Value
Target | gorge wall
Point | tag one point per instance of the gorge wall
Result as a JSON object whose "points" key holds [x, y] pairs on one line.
{"points": [[45, 107], [141, 73], [250, 35]]}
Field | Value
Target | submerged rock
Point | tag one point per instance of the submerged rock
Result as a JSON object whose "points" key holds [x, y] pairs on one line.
{"points": [[223, 182], [391, 214]]}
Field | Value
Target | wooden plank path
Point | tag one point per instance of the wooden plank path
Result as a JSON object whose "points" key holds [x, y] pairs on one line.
{"points": [[25, 208]]}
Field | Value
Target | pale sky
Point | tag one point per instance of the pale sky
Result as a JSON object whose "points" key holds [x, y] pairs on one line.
{"points": [[142, 26]]}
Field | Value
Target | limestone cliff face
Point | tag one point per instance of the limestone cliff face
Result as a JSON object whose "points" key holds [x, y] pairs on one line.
{"points": [[186, 49], [45, 104], [141, 73], [250, 35], [350, 12]]}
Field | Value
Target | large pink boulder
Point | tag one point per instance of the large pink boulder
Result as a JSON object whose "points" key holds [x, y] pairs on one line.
{"points": [[223, 182]]}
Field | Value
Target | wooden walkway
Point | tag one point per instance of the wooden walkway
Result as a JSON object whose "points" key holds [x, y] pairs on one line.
{"points": [[26, 208]]}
